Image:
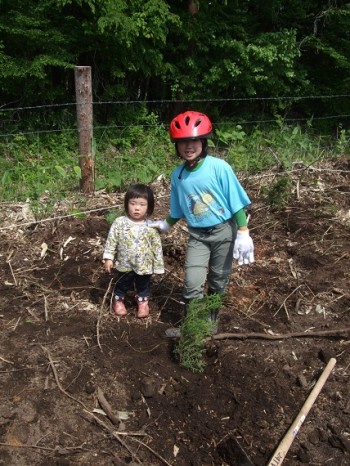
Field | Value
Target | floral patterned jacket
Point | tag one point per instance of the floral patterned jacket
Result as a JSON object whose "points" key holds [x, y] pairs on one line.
{"points": [[134, 246]]}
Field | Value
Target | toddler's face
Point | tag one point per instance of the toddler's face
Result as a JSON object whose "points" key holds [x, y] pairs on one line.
{"points": [[137, 209], [190, 149]]}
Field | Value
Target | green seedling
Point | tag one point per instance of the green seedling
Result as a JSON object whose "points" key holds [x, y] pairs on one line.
{"points": [[195, 329]]}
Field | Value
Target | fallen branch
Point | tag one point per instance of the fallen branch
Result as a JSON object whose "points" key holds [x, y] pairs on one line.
{"points": [[116, 436], [282, 336], [57, 449]]}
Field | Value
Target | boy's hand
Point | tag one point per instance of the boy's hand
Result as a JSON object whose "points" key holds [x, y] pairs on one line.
{"points": [[161, 225], [243, 249], [108, 265]]}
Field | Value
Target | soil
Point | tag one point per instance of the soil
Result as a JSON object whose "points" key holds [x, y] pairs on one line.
{"points": [[63, 355]]}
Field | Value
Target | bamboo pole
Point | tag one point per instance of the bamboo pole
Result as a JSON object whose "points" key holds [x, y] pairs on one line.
{"points": [[287, 440]]}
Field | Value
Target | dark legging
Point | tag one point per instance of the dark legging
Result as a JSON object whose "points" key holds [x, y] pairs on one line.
{"points": [[126, 280]]}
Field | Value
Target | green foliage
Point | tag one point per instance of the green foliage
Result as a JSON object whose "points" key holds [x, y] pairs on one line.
{"points": [[230, 136], [112, 214], [44, 168], [42, 208], [263, 149], [278, 193], [343, 141], [194, 331], [156, 49], [133, 156], [35, 169], [77, 213]]}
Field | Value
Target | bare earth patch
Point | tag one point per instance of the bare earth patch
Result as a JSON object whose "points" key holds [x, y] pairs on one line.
{"points": [[66, 362]]}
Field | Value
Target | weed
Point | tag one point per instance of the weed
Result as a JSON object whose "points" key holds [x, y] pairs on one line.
{"points": [[278, 193]]}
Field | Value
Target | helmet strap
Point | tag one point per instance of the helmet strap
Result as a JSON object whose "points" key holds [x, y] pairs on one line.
{"points": [[194, 162]]}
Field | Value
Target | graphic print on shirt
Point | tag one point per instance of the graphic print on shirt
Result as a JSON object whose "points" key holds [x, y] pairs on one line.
{"points": [[203, 205]]}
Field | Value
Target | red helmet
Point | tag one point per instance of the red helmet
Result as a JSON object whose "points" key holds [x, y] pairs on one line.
{"points": [[190, 125]]}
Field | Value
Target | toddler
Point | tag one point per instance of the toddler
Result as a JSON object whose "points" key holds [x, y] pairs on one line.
{"points": [[136, 250]]}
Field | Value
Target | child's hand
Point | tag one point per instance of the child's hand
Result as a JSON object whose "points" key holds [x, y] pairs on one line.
{"points": [[243, 249], [161, 225], [108, 265]]}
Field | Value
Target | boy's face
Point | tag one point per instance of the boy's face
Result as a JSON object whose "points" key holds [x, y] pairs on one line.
{"points": [[137, 208], [190, 149]]}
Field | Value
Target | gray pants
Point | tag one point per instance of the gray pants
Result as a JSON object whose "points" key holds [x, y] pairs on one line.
{"points": [[209, 257]]}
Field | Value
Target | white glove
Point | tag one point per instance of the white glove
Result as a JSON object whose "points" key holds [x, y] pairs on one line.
{"points": [[243, 249], [161, 225]]}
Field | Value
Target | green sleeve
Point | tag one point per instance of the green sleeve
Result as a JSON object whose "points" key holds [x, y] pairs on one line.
{"points": [[241, 218], [171, 221]]}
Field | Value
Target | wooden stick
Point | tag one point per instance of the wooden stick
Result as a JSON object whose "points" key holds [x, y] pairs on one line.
{"points": [[5, 360], [287, 440], [46, 309], [107, 407], [13, 275], [282, 336], [101, 314]]}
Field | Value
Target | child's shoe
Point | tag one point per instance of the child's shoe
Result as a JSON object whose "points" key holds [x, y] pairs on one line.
{"points": [[119, 307], [142, 307]]}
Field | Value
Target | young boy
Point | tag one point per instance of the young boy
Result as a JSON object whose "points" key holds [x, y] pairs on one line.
{"points": [[206, 193], [136, 248]]}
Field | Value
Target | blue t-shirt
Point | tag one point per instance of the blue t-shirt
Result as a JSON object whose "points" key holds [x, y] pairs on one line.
{"points": [[207, 196]]}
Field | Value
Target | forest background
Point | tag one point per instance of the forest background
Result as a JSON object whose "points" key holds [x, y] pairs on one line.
{"points": [[272, 75]]}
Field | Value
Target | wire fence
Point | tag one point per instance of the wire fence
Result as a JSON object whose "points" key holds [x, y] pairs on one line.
{"points": [[30, 136], [343, 118]]}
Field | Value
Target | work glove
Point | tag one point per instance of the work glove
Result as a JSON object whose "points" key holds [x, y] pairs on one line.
{"points": [[243, 249], [161, 225]]}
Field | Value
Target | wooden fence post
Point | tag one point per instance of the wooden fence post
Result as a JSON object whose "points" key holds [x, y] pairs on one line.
{"points": [[83, 93]]}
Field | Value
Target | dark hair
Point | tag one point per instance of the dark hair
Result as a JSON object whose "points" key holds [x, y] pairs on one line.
{"points": [[140, 190]]}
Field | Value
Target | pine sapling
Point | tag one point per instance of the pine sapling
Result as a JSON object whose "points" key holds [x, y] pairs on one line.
{"points": [[195, 329]]}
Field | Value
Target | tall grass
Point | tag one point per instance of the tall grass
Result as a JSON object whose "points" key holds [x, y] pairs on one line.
{"points": [[44, 168], [281, 147]]}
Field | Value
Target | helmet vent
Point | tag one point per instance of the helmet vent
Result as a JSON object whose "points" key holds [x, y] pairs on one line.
{"points": [[190, 125]]}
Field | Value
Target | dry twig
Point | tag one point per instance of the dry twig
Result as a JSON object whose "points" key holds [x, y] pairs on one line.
{"points": [[116, 436], [285, 300], [13, 275], [52, 365], [101, 313], [92, 418]]}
